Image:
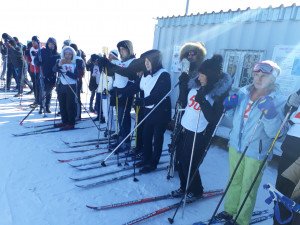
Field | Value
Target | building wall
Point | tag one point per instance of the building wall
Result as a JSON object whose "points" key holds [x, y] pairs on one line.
{"points": [[250, 29]]}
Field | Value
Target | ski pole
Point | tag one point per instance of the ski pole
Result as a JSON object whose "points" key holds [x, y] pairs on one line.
{"points": [[103, 162], [236, 168], [136, 142], [171, 220], [172, 148], [21, 122], [100, 111], [55, 111], [190, 166], [121, 127], [262, 165]]}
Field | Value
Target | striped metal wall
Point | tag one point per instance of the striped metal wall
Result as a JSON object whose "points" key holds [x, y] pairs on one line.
{"points": [[250, 29]]}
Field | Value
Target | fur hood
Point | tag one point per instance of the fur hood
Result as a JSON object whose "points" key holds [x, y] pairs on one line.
{"points": [[193, 46], [220, 87], [128, 45], [200, 50], [71, 49]]}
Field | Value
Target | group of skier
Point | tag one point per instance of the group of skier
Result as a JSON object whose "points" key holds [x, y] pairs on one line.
{"points": [[257, 112]]}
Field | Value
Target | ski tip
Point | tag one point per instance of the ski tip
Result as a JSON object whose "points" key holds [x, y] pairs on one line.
{"points": [[63, 160], [91, 207]]}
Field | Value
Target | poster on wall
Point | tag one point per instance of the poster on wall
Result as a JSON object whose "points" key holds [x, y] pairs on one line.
{"points": [[176, 67], [288, 58]]}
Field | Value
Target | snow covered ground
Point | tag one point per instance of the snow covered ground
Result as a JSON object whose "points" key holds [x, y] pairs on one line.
{"points": [[35, 188]]}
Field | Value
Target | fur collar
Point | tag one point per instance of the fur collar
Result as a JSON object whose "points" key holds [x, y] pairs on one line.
{"points": [[220, 88]]}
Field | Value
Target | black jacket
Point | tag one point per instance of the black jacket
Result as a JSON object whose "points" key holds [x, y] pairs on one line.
{"points": [[47, 61], [219, 91]]}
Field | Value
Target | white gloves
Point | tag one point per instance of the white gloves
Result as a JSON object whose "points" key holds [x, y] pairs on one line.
{"points": [[185, 65]]}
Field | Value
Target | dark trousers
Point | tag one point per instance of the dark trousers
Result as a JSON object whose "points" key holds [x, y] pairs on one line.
{"points": [[11, 73], [67, 103], [98, 105], [36, 84], [153, 139], [4, 65], [20, 72], [78, 99], [48, 92], [124, 118], [139, 132], [184, 151], [93, 93], [290, 153]]}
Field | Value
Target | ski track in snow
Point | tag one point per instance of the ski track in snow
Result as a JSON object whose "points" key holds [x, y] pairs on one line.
{"points": [[35, 188]]}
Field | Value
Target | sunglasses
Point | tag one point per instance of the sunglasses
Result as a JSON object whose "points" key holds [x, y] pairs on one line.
{"points": [[192, 54], [263, 67]]}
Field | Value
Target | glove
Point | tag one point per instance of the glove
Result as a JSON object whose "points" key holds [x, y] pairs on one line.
{"points": [[103, 62], [183, 78], [185, 66], [230, 102], [294, 100], [200, 96], [71, 75], [266, 105], [139, 102], [33, 53]]}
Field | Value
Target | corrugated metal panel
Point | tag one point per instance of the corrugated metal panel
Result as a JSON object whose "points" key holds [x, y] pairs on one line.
{"points": [[249, 29], [260, 14]]}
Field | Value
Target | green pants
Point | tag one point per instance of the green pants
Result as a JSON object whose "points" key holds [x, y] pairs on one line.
{"points": [[240, 185]]}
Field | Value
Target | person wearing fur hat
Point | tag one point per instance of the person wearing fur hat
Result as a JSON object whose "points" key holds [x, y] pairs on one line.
{"points": [[191, 56], [46, 61], [261, 99], [288, 178], [69, 68], [202, 112]]}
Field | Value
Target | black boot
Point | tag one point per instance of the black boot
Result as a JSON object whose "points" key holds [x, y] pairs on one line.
{"points": [[48, 109], [41, 110]]}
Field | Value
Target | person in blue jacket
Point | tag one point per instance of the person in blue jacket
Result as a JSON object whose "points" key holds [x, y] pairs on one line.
{"points": [[257, 111]]}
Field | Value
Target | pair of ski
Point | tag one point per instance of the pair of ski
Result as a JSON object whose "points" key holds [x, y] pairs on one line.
{"points": [[117, 178], [125, 168], [89, 142], [257, 217], [97, 163], [206, 195], [78, 150], [46, 131], [88, 157]]}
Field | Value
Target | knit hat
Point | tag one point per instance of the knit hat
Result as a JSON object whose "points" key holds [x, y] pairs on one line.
{"points": [[67, 43], [36, 39], [114, 53], [212, 68], [74, 46], [95, 57]]}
